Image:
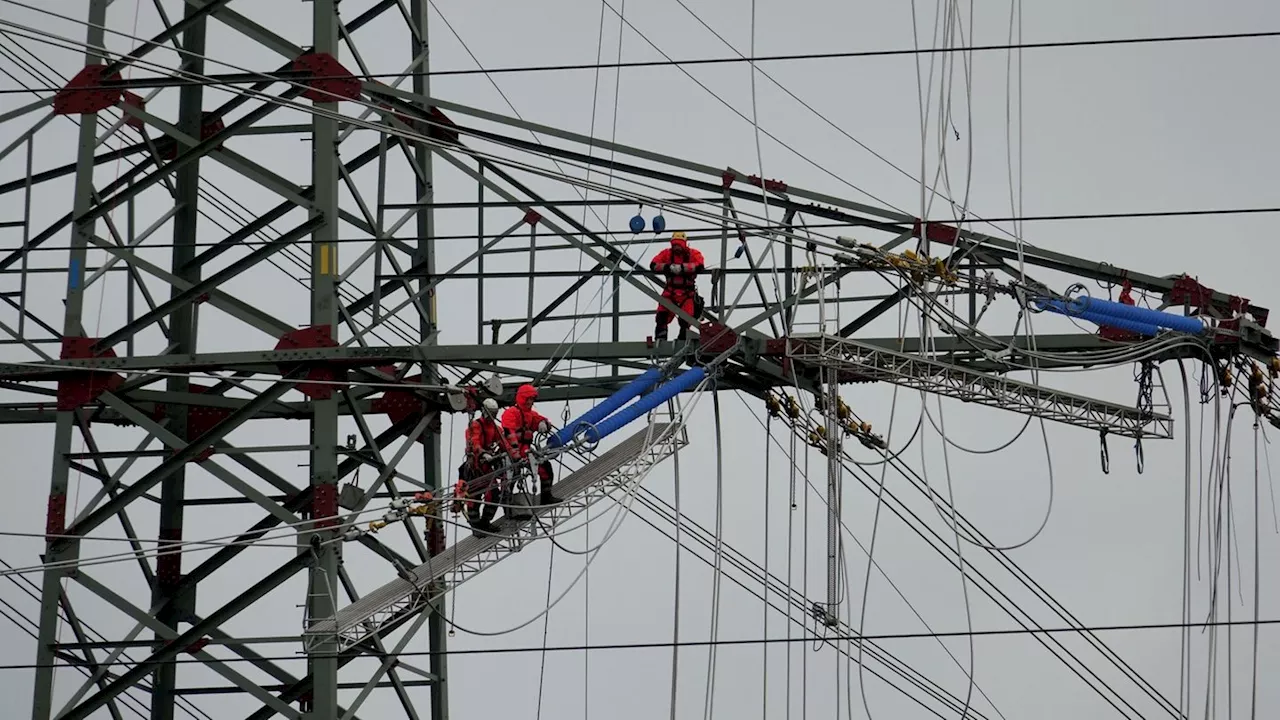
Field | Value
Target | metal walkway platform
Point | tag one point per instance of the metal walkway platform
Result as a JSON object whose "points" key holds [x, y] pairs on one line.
{"points": [[612, 470], [861, 361]]}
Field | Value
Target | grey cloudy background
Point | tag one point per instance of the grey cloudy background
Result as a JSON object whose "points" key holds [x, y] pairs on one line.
{"points": [[1112, 129]]}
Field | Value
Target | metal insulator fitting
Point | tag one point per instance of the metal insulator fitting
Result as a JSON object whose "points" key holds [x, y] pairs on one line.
{"points": [[773, 404], [842, 409], [793, 408]]}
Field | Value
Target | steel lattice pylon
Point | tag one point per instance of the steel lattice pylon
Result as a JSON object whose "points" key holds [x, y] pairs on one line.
{"points": [[339, 374]]}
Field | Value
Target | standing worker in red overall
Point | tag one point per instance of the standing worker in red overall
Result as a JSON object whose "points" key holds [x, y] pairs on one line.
{"points": [[681, 265], [520, 422], [485, 447]]}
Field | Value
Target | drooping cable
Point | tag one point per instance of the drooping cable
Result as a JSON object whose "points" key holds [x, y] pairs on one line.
{"points": [[1266, 462], [764, 663], [804, 657], [1184, 658], [546, 623], [675, 612], [791, 514], [875, 528], [1257, 575], [709, 703]]}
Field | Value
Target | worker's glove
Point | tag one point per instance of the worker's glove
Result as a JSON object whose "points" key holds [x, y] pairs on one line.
{"points": [[543, 426], [676, 269]]}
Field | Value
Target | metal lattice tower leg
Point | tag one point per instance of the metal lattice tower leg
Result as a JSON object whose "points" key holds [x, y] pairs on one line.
{"points": [[432, 458], [323, 582], [56, 549], [182, 330]]}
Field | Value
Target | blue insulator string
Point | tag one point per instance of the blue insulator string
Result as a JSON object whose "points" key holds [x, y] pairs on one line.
{"points": [[681, 383], [1113, 312], [606, 408]]}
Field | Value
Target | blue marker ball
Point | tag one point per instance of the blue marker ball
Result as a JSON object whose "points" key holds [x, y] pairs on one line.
{"points": [[659, 223], [637, 224]]}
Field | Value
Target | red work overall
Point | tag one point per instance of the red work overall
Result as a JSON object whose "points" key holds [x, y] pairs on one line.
{"points": [[484, 438], [520, 422], [680, 287]]}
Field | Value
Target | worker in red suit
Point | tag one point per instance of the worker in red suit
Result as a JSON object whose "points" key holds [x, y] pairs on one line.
{"points": [[485, 447], [520, 422], [680, 265]]}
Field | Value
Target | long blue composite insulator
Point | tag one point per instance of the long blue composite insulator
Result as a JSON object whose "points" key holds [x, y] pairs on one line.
{"points": [[637, 386], [1181, 323], [1145, 329], [664, 392], [1097, 318], [1077, 306]]}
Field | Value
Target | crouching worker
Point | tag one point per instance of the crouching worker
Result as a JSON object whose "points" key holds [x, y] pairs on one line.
{"points": [[520, 422], [485, 449]]}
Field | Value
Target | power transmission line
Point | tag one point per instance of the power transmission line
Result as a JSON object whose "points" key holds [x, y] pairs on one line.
{"points": [[236, 78], [710, 643], [774, 226]]}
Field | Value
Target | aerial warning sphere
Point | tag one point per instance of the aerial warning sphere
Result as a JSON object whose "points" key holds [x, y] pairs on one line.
{"points": [[637, 223], [659, 223]]}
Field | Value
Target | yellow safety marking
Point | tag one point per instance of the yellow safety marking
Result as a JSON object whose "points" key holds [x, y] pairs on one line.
{"points": [[326, 266]]}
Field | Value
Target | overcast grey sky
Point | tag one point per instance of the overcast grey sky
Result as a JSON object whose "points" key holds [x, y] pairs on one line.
{"points": [[1105, 129]]}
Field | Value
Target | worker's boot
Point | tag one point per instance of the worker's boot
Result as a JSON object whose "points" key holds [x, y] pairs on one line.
{"points": [[660, 333], [483, 527], [548, 498], [683, 334]]}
